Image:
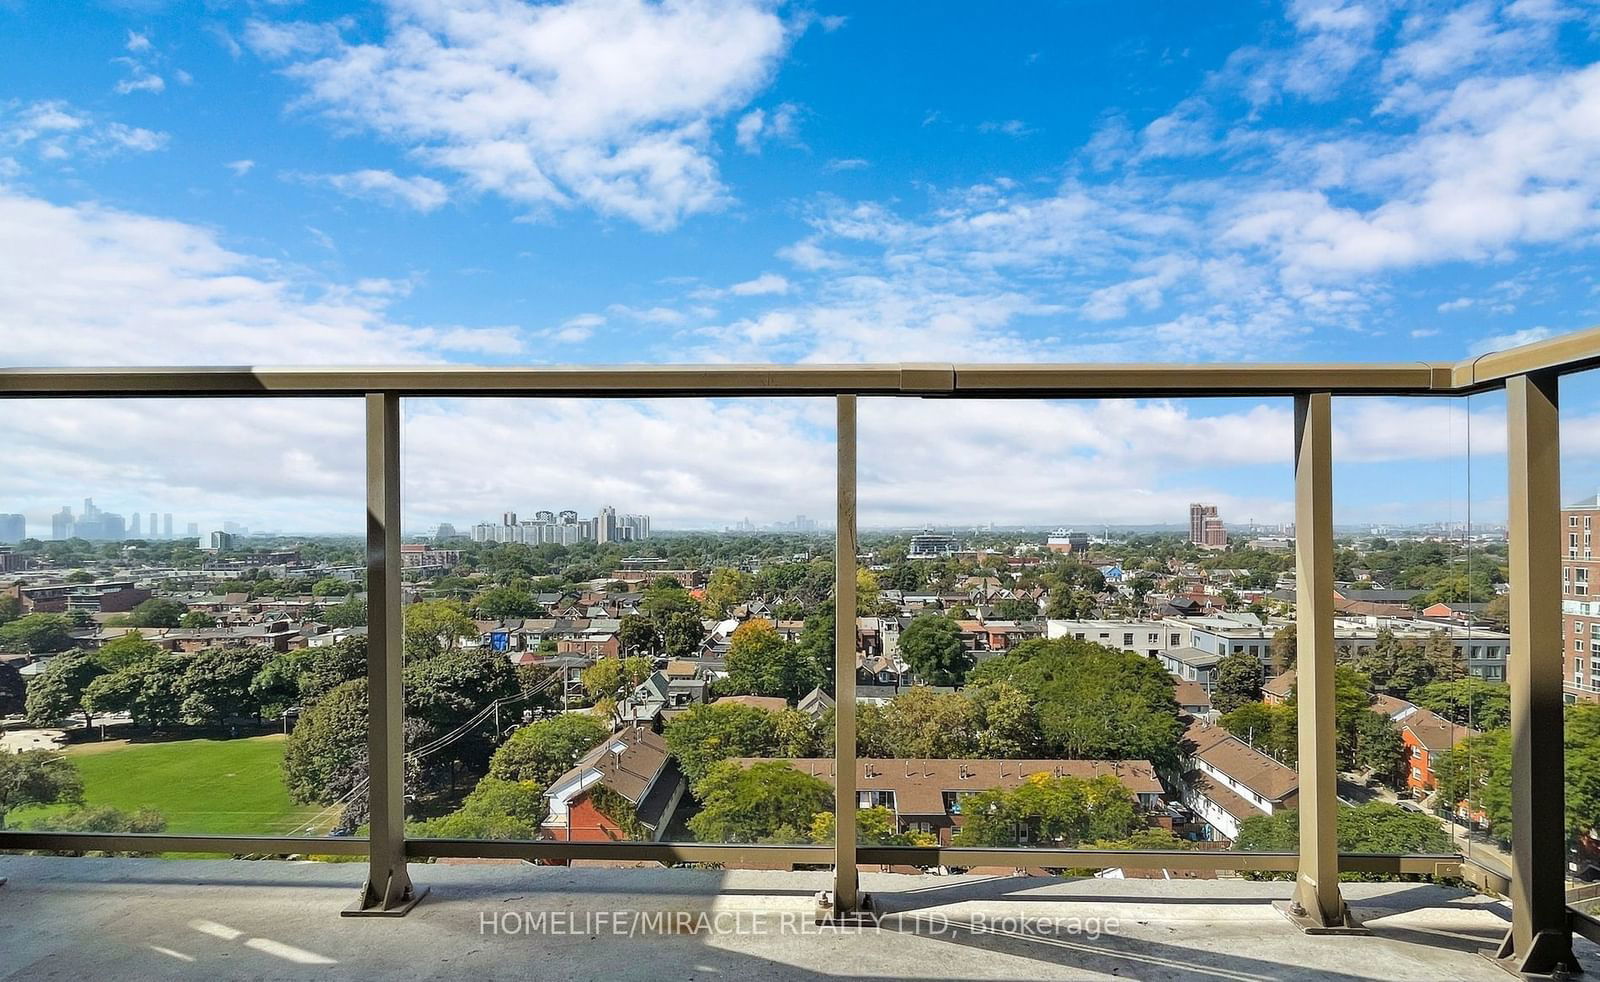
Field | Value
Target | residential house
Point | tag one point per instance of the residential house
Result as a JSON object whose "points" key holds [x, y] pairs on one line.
{"points": [[1227, 781], [636, 766]]}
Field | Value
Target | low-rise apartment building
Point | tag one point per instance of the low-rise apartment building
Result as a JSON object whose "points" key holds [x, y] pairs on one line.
{"points": [[1227, 781]]}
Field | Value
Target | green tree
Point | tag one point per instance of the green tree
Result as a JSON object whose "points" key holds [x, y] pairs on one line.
{"points": [[322, 668], [216, 683], [1238, 681], [129, 649], [196, 620], [158, 612], [681, 634], [37, 634], [612, 678], [764, 802], [1008, 721], [37, 777], [1285, 644], [541, 752], [57, 692], [866, 592], [1012, 609], [276, 687], [874, 827], [325, 757], [705, 735], [1271, 729], [10, 610], [501, 602], [435, 627], [1469, 701], [150, 691], [1093, 702], [1376, 827], [352, 612], [727, 588], [920, 722], [330, 586], [637, 635], [931, 645], [760, 662], [1058, 811], [1379, 748], [496, 809]]}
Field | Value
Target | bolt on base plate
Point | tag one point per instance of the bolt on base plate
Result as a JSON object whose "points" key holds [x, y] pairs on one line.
{"points": [[1297, 916], [862, 916]]}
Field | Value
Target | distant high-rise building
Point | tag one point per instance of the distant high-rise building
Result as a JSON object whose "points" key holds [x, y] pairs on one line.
{"points": [[61, 524], [192, 530], [13, 528], [133, 530], [508, 518], [1205, 527], [446, 532], [153, 526], [222, 540], [166, 525], [605, 526], [545, 516], [569, 517]]}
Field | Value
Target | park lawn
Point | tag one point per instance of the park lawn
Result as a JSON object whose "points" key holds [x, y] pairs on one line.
{"points": [[211, 787]]}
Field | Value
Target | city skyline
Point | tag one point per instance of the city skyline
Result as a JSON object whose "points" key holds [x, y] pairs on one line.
{"points": [[1230, 207]]}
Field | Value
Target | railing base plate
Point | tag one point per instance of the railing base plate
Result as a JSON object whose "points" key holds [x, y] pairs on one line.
{"points": [[1309, 925], [400, 909]]}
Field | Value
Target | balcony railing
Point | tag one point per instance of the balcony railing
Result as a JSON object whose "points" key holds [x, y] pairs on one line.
{"points": [[1540, 937]]}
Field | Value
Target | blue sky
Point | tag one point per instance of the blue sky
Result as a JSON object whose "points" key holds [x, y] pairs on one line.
{"points": [[619, 181]]}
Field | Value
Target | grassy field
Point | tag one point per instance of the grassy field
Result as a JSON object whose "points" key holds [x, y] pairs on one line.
{"points": [[217, 787]]}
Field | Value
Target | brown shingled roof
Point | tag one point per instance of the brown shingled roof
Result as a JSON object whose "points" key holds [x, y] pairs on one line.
{"points": [[1434, 731], [629, 773], [1246, 765]]}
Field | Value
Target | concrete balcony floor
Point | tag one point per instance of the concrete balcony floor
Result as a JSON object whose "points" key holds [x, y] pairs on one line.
{"points": [[145, 918]]}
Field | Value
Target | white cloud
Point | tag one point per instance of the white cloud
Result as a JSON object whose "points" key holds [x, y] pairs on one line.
{"points": [[1008, 127], [848, 163], [576, 330], [604, 103], [759, 126], [240, 167], [649, 315], [764, 285], [1500, 342], [54, 131], [418, 193], [90, 284]]}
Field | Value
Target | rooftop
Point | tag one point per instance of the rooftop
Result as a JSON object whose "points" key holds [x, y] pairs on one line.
{"points": [[208, 919]]}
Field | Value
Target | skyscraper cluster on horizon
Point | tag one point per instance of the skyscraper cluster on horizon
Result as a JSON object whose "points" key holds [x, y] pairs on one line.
{"points": [[96, 525], [564, 528]]}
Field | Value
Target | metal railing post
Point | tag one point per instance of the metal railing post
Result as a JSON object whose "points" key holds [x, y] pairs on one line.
{"points": [[388, 890], [846, 898], [1317, 906], [1540, 939]]}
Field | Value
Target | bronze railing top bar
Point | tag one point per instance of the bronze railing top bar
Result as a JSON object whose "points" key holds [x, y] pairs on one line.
{"points": [[1563, 354], [642, 381], [1568, 353]]}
